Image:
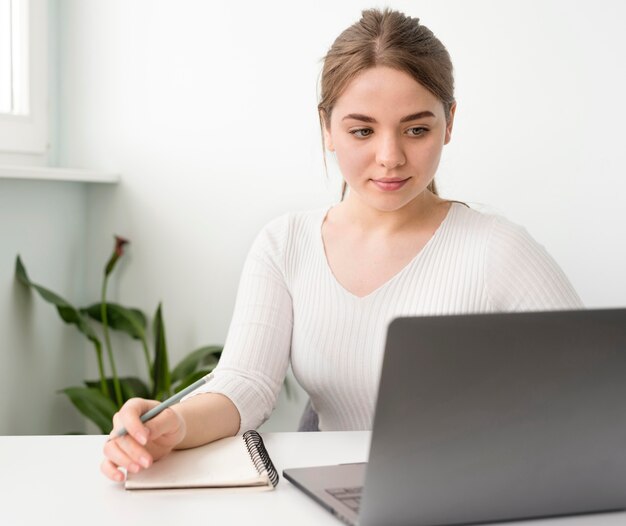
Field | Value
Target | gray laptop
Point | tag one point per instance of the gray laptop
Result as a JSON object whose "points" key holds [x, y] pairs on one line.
{"points": [[490, 417]]}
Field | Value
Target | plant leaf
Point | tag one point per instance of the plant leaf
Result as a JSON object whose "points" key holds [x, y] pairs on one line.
{"points": [[207, 357], [94, 405], [188, 380], [131, 387], [161, 369], [290, 393], [131, 321], [69, 314]]}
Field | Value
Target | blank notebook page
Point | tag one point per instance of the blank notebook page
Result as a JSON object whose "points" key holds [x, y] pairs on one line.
{"points": [[224, 463]]}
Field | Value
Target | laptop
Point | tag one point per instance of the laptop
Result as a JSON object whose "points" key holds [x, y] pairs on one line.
{"points": [[489, 417]]}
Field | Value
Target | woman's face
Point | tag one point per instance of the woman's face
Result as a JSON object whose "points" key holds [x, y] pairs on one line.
{"points": [[387, 132]]}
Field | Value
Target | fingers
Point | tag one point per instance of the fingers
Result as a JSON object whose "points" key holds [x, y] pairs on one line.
{"points": [[129, 418], [111, 471], [166, 427], [144, 443], [125, 452]]}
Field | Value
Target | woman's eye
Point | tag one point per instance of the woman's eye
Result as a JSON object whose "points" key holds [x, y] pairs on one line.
{"points": [[361, 132], [417, 131]]}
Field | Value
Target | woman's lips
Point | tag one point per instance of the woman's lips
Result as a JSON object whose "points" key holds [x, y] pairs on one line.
{"points": [[390, 185]]}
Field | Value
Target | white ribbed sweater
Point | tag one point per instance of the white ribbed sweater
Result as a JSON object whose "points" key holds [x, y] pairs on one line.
{"points": [[290, 306]]}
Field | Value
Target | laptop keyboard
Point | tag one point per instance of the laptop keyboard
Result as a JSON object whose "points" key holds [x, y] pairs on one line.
{"points": [[351, 497]]}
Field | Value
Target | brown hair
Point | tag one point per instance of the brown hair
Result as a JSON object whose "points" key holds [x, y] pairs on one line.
{"points": [[386, 38]]}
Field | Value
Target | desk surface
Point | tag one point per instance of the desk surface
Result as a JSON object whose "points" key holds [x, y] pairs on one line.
{"points": [[56, 480]]}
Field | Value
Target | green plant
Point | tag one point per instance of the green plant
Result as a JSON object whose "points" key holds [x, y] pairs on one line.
{"points": [[99, 399]]}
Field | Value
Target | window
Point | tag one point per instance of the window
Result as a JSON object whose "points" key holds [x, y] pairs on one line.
{"points": [[23, 76], [13, 57]]}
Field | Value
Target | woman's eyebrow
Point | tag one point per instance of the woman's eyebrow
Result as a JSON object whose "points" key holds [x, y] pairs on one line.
{"points": [[407, 118], [416, 116], [359, 117]]}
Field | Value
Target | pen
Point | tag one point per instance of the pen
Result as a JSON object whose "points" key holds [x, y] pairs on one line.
{"points": [[165, 404]]}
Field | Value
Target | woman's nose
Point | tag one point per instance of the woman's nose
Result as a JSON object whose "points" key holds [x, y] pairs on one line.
{"points": [[390, 153]]}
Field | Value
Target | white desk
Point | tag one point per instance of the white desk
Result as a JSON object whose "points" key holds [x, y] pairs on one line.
{"points": [[56, 480]]}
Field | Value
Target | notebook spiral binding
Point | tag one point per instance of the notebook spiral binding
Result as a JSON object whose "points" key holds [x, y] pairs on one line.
{"points": [[258, 454]]}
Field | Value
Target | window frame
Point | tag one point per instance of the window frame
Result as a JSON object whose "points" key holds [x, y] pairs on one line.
{"points": [[29, 133]]}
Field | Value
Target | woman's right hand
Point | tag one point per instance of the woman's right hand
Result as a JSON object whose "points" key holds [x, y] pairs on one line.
{"points": [[144, 443]]}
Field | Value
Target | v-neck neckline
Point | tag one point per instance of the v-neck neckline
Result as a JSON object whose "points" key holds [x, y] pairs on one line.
{"points": [[436, 235]]}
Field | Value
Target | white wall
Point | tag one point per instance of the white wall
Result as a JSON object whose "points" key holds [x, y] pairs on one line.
{"points": [[39, 354], [208, 112]]}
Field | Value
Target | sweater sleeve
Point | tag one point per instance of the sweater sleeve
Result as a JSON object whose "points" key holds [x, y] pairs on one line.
{"points": [[256, 352], [520, 275]]}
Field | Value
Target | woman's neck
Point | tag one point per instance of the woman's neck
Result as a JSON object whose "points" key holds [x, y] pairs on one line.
{"points": [[419, 213]]}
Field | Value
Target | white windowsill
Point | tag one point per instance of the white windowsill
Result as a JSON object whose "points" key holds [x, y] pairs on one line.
{"points": [[44, 173]]}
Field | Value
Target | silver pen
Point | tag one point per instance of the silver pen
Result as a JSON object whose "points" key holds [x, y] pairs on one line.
{"points": [[165, 404]]}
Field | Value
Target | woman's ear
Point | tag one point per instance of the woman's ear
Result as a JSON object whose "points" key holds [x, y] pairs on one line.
{"points": [[449, 124], [328, 140]]}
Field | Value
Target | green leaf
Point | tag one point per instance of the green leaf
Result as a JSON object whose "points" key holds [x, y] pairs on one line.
{"points": [[290, 392], [94, 405], [68, 313], [161, 369], [131, 321], [188, 380], [207, 357], [131, 387]]}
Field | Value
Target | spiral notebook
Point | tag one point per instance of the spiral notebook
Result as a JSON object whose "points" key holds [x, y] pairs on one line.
{"points": [[234, 462]]}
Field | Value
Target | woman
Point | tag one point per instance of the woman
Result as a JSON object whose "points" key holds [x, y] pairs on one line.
{"points": [[319, 288]]}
